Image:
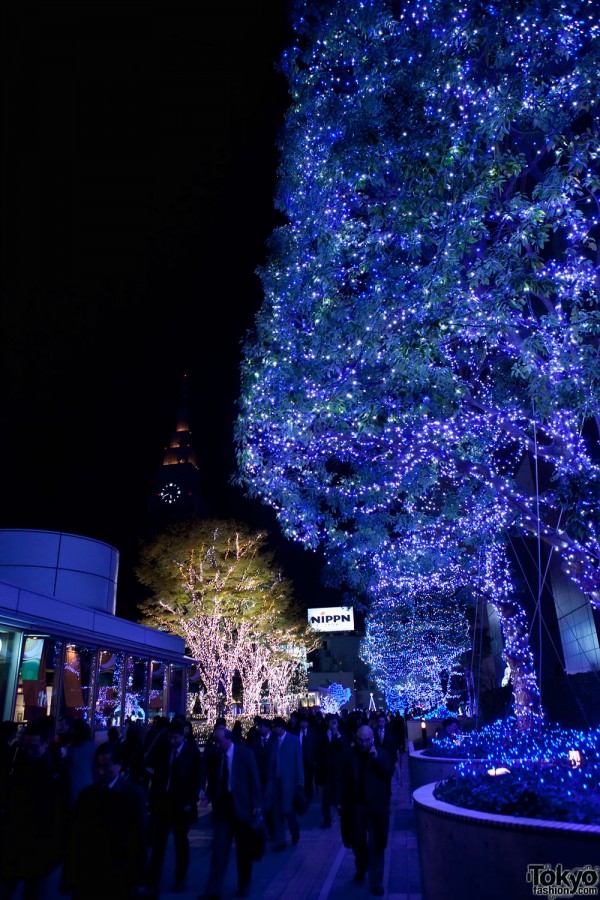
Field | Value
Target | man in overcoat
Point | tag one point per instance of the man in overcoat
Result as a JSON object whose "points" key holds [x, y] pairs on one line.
{"points": [[262, 743], [233, 789], [385, 736], [330, 764], [365, 811], [37, 799], [109, 813], [173, 802], [308, 735], [287, 774]]}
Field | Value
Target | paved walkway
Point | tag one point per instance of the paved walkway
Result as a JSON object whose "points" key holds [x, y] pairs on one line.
{"points": [[318, 868]]}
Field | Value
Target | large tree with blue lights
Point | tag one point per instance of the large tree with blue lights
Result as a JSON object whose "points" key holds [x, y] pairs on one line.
{"points": [[431, 316], [414, 646]]}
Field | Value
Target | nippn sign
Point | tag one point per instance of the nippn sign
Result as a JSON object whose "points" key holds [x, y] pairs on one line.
{"points": [[334, 618]]}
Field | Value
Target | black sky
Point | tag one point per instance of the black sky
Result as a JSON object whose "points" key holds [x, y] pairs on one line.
{"points": [[139, 155]]}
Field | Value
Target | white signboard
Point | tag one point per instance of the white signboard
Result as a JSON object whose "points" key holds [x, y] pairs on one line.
{"points": [[334, 618]]}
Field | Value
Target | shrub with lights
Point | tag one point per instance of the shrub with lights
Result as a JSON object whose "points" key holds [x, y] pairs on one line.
{"points": [[425, 365], [334, 698], [552, 773]]}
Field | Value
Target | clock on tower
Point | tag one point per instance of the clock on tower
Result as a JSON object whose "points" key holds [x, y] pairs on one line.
{"points": [[177, 491], [170, 492]]}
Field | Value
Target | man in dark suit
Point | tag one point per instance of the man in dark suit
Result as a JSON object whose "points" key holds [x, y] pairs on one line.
{"points": [[262, 743], [287, 774], [35, 814], [114, 810], [309, 738], [365, 812], [399, 729], [330, 759], [385, 737], [233, 789], [173, 802]]}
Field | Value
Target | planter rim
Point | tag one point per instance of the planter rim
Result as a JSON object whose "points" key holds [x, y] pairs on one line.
{"points": [[423, 797], [420, 754]]}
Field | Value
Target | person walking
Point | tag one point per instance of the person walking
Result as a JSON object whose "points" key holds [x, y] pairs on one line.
{"points": [[37, 801], [330, 761], [308, 736], [399, 728], [79, 758], [365, 807], [133, 753], [287, 774], [173, 802], [237, 732], [8, 750], [385, 737], [262, 743], [253, 730], [153, 747], [111, 809], [233, 790]]}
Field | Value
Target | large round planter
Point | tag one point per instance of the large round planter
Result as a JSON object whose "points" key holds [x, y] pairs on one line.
{"points": [[424, 769], [474, 855]]}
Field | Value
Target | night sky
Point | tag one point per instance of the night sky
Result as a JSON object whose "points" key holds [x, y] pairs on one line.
{"points": [[139, 157]]}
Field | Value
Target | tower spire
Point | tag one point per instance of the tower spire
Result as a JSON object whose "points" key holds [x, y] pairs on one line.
{"points": [[178, 494], [180, 449]]}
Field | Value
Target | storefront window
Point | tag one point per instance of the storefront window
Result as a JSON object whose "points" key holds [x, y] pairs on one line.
{"points": [[39, 678], [158, 688], [109, 708], [177, 690], [9, 649], [78, 682], [136, 678]]}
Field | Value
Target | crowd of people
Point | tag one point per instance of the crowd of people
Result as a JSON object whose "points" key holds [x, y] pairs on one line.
{"points": [[70, 795]]}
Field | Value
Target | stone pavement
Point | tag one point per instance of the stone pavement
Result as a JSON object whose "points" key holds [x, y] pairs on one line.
{"points": [[318, 868]]}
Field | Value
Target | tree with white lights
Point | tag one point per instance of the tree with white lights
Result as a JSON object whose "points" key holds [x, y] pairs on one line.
{"points": [[217, 585], [425, 363]]}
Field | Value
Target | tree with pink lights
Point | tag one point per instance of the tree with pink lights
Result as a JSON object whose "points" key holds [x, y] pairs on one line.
{"points": [[218, 586]]}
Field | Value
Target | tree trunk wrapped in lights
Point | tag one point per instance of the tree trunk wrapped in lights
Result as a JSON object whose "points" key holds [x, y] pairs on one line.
{"points": [[515, 629], [431, 315]]}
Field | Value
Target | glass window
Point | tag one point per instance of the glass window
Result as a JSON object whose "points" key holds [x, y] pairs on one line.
{"points": [[9, 649], [158, 688], [109, 708], [177, 690], [39, 677], [78, 682], [136, 677]]}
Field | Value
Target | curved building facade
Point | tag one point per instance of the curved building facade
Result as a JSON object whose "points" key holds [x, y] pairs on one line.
{"points": [[64, 652]]}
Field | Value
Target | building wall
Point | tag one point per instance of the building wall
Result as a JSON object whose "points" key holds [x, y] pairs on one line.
{"points": [[64, 652], [75, 569], [578, 633]]}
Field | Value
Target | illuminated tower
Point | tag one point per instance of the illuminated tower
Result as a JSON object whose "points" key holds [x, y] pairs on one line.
{"points": [[178, 493]]}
